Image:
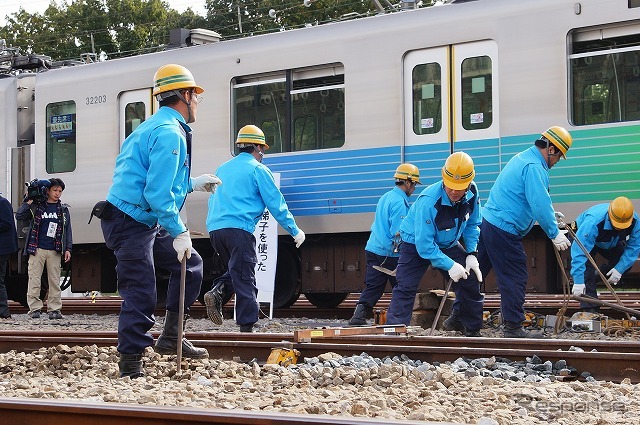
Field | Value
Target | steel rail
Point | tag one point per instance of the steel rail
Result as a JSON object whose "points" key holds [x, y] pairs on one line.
{"points": [[19, 411], [541, 303], [612, 362], [13, 339]]}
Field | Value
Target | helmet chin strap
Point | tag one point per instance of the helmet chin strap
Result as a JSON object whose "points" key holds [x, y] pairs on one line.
{"points": [[546, 149], [454, 202], [188, 103], [257, 147]]}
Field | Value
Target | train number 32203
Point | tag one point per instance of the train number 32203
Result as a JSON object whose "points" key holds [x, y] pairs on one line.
{"points": [[94, 100]]}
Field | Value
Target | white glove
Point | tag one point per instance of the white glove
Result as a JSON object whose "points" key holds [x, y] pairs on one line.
{"points": [[561, 242], [205, 183], [458, 272], [182, 245], [578, 289], [614, 276], [472, 264], [560, 219], [299, 238]]}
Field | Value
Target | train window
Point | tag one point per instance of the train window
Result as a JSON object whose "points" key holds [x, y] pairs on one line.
{"points": [[261, 101], [298, 109], [61, 137], [134, 115], [604, 66], [477, 101], [427, 98], [305, 135]]}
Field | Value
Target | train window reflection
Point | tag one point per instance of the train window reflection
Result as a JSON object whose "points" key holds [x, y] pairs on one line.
{"points": [[134, 115], [605, 87], [427, 98], [61, 137], [477, 98], [298, 109]]}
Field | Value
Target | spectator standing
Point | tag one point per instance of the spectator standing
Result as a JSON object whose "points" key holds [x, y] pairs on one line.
{"points": [[520, 197], [382, 247], [234, 211], [142, 225], [8, 245], [611, 230], [445, 213], [49, 242]]}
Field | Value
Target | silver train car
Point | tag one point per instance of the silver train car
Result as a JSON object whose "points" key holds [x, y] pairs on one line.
{"points": [[342, 105]]}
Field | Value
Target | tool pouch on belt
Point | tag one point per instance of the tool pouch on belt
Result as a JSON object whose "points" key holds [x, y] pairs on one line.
{"points": [[100, 210]]}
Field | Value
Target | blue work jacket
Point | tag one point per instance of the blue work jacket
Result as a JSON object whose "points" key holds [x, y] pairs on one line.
{"points": [[8, 235], [434, 223], [392, 208], [520, 196], [247, 188], [595, 229], [151, 179]]}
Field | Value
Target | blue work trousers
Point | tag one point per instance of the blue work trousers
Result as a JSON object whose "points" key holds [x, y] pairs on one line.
{"points": [[139, 249], [591, 276], [237, 249], [411, 268], [4, 306], [504, 253], [375, 281]]}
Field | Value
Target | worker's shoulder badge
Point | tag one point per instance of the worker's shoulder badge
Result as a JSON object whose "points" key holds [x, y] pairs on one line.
{"points": [[175, 152]]}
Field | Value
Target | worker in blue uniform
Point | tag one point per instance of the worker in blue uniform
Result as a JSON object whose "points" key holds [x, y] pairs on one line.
{"points": [[382, 247], [520, 197], [234, 211], [445, 213], [611, 230], [141, 220]]}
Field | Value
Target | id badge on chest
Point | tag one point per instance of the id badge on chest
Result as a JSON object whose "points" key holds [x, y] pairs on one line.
{"points": [[51, 231]]}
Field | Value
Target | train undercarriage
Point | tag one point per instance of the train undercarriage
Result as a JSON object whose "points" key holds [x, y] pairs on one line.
{"points": [[326, 270]]}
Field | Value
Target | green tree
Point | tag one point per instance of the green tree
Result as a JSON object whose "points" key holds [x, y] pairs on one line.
{"points": [[106, 28], [234, 19], [24, 29], [116, 28]]}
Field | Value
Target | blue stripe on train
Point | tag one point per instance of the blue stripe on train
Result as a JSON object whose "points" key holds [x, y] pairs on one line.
{"points": [[352, 181]]}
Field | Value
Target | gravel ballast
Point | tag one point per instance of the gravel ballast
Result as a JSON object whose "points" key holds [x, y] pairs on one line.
{"points": [[478, 391]]}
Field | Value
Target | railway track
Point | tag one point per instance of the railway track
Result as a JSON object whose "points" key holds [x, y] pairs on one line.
{"points": [[540, 303], [19, 411], [605, 360]]}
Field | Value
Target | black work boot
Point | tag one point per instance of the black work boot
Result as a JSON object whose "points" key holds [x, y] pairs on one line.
{"points": [[167, 343], [213, 301], [130, 365], [515, 330], [453, 323], [472, 333], [247, 328], [360, 315]]}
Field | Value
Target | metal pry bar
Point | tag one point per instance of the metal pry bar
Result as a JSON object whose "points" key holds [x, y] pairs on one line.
{"points": [[593, 263]]}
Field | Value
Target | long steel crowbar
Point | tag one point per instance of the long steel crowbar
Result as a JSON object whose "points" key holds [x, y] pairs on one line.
{"points": [[595, 265], [183, 279], [441, 306]]}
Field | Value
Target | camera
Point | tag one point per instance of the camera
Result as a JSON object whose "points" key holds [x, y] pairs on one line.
{"points": [[37, 189]]}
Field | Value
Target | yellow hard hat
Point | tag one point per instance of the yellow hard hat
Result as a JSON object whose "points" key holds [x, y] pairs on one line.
{"points": [[458, 171], [621, 212], [251, 135], [174, 77], [560, 138], [408, 171]]}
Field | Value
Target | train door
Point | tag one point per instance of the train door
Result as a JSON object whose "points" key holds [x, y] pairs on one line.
{"points": [[135, 106], [450, 97], [451, 104]]}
